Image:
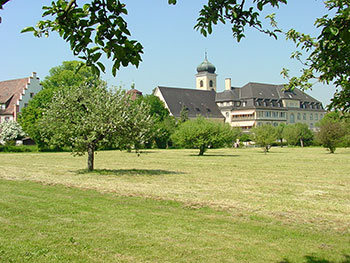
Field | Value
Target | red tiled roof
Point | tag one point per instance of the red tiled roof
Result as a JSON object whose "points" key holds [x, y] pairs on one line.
{"points": [[10, 92], [134, 93]]}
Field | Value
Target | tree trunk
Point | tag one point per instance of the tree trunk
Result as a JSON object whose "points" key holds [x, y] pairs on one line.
{"points": [[201, 150], [91, 152], [281, 142], [301, 143]]}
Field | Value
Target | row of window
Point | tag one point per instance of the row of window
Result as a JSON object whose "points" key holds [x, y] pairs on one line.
{"points": [[243, 116], [313, 116], [276, 124], [269, 114]]}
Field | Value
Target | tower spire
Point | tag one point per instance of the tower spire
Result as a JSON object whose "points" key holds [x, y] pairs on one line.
{"points": [[206, 54]]}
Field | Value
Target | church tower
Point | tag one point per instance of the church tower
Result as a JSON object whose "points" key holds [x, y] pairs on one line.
{"points": [[206, 77]]}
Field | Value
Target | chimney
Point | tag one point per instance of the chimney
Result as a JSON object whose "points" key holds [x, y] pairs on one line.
{"points": [[227, 84]]}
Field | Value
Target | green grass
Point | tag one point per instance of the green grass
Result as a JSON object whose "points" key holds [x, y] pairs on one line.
{"points": [[173, 206], [59, 224]]}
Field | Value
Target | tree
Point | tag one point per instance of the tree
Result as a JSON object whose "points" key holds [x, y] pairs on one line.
{"points": [[279, 132], [343, 119], [329, 54], [330, 135], [98, 27], [64, 76], [10, 131], [202, 134], [298, 134], [264, 136], [163, 124], [88, 116]]}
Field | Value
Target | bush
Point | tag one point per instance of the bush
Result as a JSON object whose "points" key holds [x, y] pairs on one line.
{"points": [[18, 149]]}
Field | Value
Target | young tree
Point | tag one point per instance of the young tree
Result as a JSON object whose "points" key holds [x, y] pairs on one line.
{"points": [[264, 136], [279, 132], [64, 76], [298, 134], [202, 134], [330, 135], [10, 131], [88, 116], [164, 124]]}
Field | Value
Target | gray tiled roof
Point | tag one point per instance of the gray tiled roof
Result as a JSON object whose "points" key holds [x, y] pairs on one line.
{"points": [[263, 91], [197, 102]]}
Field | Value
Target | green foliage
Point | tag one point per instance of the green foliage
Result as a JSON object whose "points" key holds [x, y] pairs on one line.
{"points": [[183, 114], [96, 28], [264, 136], [202, 134], [238, 13], [280, 132], [20, 148], [329, 57], [88, 116], [298, 134], [61, 77], [334, 130], [331, 135], [164, 124], [10, 131]]}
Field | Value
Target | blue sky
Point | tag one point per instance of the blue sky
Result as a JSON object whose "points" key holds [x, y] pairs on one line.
{"points": [[172, 48]]}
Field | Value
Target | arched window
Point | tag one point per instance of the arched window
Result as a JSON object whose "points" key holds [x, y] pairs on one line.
{"points": [[292, 120], [201, 83], [211, 83]]}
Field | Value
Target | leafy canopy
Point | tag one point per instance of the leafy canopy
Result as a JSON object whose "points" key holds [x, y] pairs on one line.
{"points": [[64, 76], [264, 136], [10, 131], [88, 116], [202, 134]]}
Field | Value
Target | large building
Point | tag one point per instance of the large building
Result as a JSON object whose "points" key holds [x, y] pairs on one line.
{"points": [[252, 105], [15, 95]]}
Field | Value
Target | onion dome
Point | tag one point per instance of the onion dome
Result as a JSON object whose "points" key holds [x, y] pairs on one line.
{"points": [[206, 66]]}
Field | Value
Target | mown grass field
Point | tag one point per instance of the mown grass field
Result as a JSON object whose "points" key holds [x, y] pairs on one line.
{"points": [[291, 205]]}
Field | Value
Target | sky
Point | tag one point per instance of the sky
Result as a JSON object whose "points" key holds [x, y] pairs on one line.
{"points": [[172, 48]]}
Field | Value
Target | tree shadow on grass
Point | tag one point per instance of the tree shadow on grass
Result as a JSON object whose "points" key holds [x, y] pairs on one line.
{"points": [[315, 259], [124, 172], [215, 155]]}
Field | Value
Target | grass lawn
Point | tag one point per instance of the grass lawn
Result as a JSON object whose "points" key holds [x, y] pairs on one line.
{"points": [[291, 205]]}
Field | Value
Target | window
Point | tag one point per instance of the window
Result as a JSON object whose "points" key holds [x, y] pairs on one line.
{"points": [[304, 116], [3, 106], [311, 116], [7, 118], [32, 94], [211, 83], [25, 105], [201, 83], [316, 116], [268, 113], [299, 116], [244, 104], [292, 120]]}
